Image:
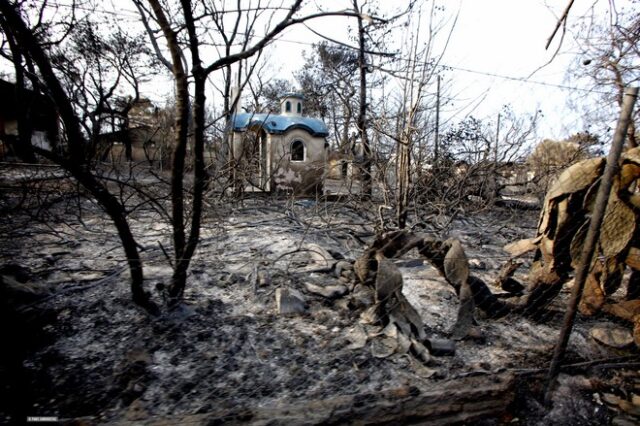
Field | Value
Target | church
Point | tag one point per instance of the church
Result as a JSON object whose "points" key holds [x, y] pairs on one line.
{"points": [[280, 152]]}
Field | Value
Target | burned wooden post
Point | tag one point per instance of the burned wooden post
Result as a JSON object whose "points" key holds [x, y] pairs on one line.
{"points": [[591, 239]]}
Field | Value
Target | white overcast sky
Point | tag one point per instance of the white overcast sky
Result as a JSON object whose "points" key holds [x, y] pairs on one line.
{"points": [[492, 39]]}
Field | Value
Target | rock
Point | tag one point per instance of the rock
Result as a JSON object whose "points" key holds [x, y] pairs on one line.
{"points": [[290, 302], [344, 280], [614, 337], [441, 347], [329, 291]]}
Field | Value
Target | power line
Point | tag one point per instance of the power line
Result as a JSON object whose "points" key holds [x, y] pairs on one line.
{"points": [[524, 80]]}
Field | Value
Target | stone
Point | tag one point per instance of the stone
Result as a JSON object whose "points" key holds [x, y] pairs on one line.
{"points": [[441, 347], [290, 302], [329, 291], [614, 337]]}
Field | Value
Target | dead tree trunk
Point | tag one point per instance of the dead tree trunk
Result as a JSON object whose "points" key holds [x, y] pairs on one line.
{"points": [[177, 177], [77, 163], [200, 175]]}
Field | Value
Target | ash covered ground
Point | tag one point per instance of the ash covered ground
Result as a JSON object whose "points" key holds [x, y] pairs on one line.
{"points": [[85, 353]]}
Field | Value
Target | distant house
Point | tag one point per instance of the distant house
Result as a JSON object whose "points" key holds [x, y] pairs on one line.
{"points": [[39, 114], [147, 137], [137, 145], [285, 151]]}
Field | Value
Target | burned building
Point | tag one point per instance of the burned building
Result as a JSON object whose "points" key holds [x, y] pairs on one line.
{"points": [[24, 110]]}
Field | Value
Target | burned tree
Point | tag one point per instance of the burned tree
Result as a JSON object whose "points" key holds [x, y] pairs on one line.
{"points": [[76, 158]]}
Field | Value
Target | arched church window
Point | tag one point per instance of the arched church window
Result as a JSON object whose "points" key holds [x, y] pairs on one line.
{"points": [[299, 108], [287, 107], [297, 151]]}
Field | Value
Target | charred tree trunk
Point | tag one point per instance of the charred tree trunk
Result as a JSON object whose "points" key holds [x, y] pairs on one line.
{"points": [[77, 164], [177, 186], [200, 175], [184, 249]]}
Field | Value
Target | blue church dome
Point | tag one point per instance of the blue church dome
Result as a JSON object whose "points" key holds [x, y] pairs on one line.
{"points": [[279, 124]]}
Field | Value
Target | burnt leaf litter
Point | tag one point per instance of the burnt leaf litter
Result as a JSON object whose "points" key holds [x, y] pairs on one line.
{"points": [[274, 327]]}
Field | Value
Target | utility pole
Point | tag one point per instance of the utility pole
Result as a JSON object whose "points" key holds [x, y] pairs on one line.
{"points": [[437, 142]]}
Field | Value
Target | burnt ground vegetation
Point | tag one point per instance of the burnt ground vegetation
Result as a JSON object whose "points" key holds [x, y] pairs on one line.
{"points": [[76, 347]]}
